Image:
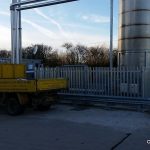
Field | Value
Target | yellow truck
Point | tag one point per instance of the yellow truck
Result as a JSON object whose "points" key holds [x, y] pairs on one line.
{"points": [[17, 92]]}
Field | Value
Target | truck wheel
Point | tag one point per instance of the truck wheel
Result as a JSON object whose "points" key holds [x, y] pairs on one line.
{"points": [[43, 107], [14, 107]]}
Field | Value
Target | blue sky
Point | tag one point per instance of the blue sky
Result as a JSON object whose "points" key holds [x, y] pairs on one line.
{"points": [[85, 22]]}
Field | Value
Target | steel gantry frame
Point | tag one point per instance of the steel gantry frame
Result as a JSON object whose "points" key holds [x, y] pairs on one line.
{"points": [[16, 26]]}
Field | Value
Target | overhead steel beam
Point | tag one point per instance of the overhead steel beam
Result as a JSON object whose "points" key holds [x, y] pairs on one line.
{"points": [[16, 7], [50, 3], [26, 2]]}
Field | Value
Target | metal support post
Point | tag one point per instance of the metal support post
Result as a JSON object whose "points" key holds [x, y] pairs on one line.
{"points": [[20, 37], [16, 27], [19, 29], [13, 32], [111, 33], [111, 45]]}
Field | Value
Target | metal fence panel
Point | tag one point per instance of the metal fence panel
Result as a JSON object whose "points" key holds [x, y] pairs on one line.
{"points": [[115, 82]]}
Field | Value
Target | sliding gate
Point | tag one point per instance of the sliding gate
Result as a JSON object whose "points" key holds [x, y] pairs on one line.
{"points": [[102, 82]]}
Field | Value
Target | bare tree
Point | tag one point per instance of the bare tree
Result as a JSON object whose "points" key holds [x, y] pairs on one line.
{"points": [[5, 54], [97, 56], [75, 54], [46, 54]]}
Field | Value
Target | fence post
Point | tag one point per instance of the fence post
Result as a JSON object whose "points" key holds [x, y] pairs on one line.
{"points": [[35, 73], [143, 82]]}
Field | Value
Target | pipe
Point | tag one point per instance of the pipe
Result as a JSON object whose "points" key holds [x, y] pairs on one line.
{"points": [[45, 4]]}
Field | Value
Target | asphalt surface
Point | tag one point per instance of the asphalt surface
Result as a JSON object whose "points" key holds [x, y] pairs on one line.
{"points": [[75, 128]]}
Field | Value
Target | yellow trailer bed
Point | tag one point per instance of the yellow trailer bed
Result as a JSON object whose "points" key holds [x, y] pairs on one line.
{"points": [[17, 91], [30, 86]]}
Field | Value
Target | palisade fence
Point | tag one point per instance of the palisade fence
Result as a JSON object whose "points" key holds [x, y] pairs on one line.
{"points": [[104, 82]]}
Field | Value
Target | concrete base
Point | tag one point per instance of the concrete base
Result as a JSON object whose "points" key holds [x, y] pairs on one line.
{"points": [[72, 128]]}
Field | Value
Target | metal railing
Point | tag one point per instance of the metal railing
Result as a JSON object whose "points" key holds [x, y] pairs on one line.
{"points": [[104, 82]]}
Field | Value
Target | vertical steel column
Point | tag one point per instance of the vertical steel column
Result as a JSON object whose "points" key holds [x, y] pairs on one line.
{"points": [[12, 36], [111, 44], [111, 32], [16, 35], [19, 37], [13, 32]]}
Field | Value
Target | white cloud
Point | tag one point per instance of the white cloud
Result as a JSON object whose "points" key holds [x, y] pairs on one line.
{"points": [[96, 18], [41, 29], [4, 13], [53, 21], [5, 40], [77, 25], [34, 37], [5, 37], [43, 35], [88, 39]]}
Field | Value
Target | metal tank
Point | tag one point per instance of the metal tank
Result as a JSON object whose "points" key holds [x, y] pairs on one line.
{"points": [[134, 33]]}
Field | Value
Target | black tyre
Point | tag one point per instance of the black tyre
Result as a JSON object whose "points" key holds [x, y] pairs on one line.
{"points": [[14, 107], [43, 107]]}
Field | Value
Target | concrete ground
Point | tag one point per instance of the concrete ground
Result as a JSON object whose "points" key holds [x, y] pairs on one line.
{"points": [[75, 128]]}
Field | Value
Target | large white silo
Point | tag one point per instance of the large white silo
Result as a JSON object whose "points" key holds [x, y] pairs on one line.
{"points": [[134, 33]]}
